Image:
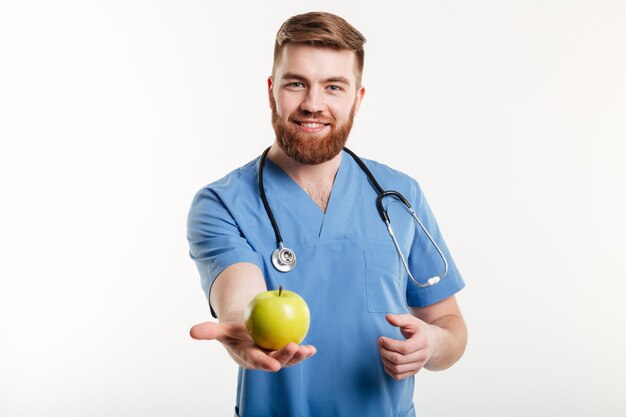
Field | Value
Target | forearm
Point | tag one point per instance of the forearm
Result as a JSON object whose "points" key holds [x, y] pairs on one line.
{"points": [[234, 288], [448, 343]]}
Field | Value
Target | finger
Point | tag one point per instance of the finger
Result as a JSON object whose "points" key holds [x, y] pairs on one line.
{"points": [[399, 320], [407, 323], [395, 358], [404, 369], [398, 376], [305, 352], [259, 359], [404, 347], [207, 331], [285, 354]]}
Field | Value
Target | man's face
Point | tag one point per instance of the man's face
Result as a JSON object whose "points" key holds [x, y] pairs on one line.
{"points": [[313, 97]]}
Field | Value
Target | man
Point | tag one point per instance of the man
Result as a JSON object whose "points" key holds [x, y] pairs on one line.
{"points": [[372, 329]]}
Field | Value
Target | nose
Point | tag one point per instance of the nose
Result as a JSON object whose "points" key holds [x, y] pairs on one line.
{"points": [[313, 101]]}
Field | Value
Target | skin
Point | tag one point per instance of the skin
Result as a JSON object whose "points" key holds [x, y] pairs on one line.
{"points": [[232, 291], [322, 81], [435, 338]]}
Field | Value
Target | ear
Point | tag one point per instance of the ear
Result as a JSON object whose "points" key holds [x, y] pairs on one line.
{"points": [[270, 84], [360, 93]]}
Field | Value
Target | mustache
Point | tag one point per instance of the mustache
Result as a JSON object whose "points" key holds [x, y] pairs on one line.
{"points": [[304, 114]]}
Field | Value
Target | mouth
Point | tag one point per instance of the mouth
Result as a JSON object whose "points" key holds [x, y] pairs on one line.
{"points": [[311, 126]]}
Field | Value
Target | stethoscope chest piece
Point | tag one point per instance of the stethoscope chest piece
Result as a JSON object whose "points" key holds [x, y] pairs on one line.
{"points": [[284, 259]]}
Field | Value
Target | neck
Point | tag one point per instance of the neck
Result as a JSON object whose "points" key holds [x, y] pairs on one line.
{"points": [[300, 173], [316, 180]]}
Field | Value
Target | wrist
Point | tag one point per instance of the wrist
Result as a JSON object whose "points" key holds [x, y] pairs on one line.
{"points": [[436, 335], [449, 341], [232, 316]]}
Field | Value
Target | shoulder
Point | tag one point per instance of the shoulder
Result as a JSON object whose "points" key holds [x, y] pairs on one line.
{"points": [[238, 182], [216, 207], [392, 179], [219, 201]]}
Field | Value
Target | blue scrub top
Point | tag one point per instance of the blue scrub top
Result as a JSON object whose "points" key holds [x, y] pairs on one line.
{"points": [[348, 272]]}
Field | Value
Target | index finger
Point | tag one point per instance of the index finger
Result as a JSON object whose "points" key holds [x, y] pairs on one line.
{"points": [[403, 347]]}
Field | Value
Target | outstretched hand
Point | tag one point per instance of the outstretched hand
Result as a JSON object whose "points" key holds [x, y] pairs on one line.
{"points": [[235, 338], [404, 358]]}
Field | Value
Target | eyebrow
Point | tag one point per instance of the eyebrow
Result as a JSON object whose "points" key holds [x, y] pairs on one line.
{"points": [[294, 76]]}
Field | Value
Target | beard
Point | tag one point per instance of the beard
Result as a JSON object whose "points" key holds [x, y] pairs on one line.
{"points": [[305, 148]]}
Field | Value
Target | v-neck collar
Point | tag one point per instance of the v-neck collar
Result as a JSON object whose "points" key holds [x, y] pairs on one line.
{"points": [[291, 201]]}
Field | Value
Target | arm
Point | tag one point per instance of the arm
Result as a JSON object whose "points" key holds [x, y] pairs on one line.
{"points": [[230, 294], [234, 288], [449, 333], [436, 337]]}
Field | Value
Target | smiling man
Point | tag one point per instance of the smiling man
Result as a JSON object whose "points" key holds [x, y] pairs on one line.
{"points": [[317, 102], [382, 302]]}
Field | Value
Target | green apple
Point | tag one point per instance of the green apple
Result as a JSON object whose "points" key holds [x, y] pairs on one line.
{"points": [[276, 318]]}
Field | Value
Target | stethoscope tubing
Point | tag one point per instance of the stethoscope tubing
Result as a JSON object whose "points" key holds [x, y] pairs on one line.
{"points": [[266, 204], [284, 259]]}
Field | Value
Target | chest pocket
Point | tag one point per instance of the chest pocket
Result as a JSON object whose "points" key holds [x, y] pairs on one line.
{"points": [[386, 280]]}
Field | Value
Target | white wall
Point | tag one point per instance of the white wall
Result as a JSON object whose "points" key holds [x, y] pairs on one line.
{"points": [[512, 115]]}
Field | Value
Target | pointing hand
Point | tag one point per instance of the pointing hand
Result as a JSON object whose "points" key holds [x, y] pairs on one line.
{"points": [[404, 358]]}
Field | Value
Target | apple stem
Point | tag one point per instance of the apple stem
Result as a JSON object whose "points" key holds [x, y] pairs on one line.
{"points": [[280, 290]]}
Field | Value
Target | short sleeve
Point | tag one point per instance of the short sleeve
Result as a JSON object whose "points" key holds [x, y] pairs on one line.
{"points": [[215, 240], [426, 262]]}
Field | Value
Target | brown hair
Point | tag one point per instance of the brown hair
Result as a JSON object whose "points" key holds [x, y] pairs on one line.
{"points": [[324, 30]]}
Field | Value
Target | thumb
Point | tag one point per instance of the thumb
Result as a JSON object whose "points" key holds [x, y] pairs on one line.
{"points": [[401, 320], [406, 322], [207, 331]]}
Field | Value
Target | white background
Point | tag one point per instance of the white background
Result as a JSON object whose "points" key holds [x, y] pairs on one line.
{"points": [[511, 114]]}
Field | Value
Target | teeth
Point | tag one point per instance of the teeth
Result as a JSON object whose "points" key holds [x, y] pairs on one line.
{"points": [[312, 125]]}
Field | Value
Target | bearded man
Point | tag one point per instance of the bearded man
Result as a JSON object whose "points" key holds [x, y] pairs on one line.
{"points": [[374, 324]]}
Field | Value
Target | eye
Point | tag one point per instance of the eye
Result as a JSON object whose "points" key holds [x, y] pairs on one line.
{"points": [[295, 84], [335, 88]]}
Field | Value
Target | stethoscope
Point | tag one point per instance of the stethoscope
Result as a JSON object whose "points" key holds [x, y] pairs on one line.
{"points": [[284, 259]]}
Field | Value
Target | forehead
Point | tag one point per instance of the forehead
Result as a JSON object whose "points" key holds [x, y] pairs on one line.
{"points": [[316, 63]]}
